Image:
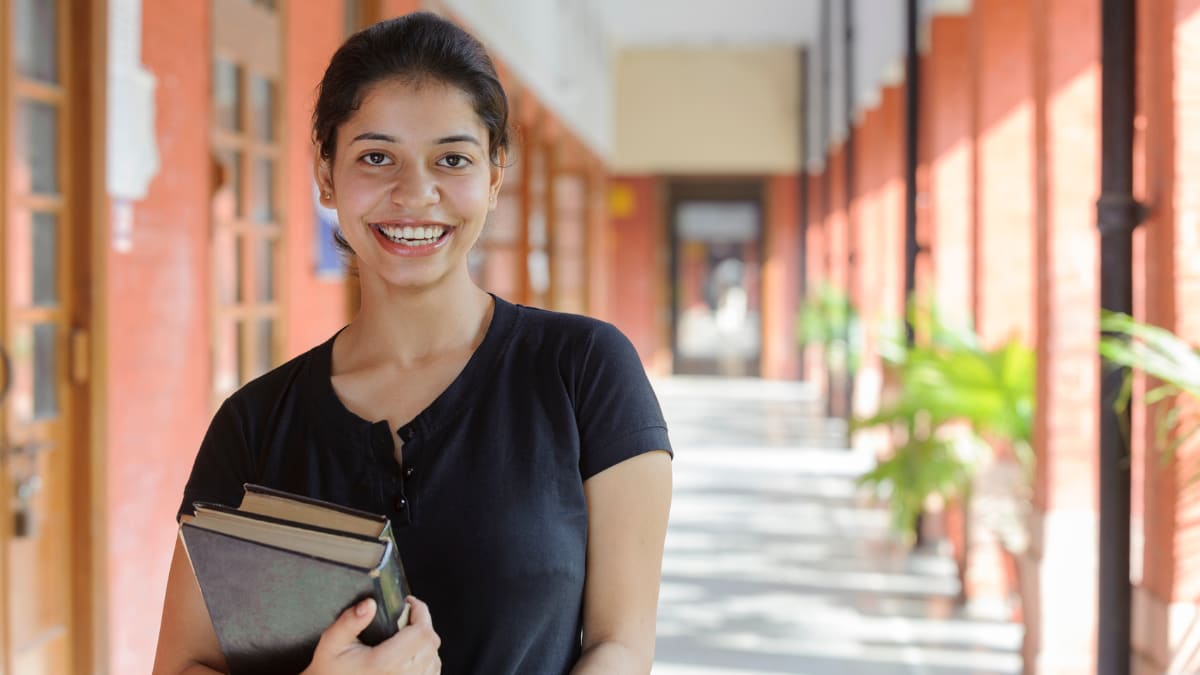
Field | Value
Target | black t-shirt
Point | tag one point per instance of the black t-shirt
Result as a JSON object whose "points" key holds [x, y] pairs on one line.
{"points": [[489, 509]]}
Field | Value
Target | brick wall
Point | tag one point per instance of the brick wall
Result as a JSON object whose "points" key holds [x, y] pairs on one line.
{"points": [[159, 402], [1066, 435], [636, 240], [315, 307], [158, 360], [951, 146], [780, 297]]}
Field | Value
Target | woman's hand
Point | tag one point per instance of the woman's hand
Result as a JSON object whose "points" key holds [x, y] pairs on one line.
{"points": [[413, 650]]}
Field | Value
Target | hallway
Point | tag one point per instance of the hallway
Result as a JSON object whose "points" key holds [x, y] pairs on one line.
{"points": [[774, 563]]}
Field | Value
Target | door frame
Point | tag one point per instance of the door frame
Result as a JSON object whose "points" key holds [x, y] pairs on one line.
{"points": [[709, 188], [83, 53]]}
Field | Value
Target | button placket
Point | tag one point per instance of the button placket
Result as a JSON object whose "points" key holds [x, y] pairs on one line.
{"points": [[403, 503]]}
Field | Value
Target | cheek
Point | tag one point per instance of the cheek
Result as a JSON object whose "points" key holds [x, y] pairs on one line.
{"points": [[469, 196]]}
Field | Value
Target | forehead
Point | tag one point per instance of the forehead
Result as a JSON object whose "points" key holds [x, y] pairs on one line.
{"points": [[422, 107]]}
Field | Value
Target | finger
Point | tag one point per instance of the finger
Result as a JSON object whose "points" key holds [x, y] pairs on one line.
{"points": [[344, 631], [419, 614]]}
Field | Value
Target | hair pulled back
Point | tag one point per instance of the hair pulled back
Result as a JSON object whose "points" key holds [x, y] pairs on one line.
{"points": [[415, 47]]}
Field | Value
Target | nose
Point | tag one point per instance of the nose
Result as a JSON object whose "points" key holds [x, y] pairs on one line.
{"points": [[415, 187]]}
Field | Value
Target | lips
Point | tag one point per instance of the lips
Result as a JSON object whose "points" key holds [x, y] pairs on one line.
{"points": [[412, 239]]}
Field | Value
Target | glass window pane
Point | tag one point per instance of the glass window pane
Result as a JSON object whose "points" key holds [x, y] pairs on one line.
{"points": [[226, 369], [264, 191], [264, 351], [45, 259], [265, 272], [262, 103], [37, 147], [36, 37], [45, 381], [231, 184], [227, 94]]}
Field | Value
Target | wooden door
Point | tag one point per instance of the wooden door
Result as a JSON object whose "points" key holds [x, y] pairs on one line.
{"points": [[44, 570]]}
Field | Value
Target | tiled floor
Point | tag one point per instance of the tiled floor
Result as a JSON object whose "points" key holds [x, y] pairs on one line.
{"points": [[774, 564]]}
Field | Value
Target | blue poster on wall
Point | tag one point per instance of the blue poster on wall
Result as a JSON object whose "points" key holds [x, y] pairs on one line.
{"points": [[330, 264]]}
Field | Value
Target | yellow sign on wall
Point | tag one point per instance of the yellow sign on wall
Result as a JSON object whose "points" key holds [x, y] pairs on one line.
{"points": [[621, 202]]}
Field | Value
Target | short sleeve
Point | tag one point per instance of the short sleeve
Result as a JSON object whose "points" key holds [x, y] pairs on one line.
{"points": [[616, 410], [222, 464]]}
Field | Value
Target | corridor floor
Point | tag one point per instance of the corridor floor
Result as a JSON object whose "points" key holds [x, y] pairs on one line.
{"points": [[775, 564]]}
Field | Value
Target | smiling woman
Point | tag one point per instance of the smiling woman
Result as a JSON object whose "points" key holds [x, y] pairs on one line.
{"points": [[520, 454]]}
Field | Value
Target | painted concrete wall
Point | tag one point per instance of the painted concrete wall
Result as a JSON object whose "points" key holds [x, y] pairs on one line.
{"points": [[707, 111], [558, 49], [159, 397]]}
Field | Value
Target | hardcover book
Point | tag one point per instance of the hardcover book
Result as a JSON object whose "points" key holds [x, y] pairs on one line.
{"points": [[279, 569]]}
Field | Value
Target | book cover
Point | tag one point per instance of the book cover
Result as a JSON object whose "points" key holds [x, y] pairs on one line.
{"points": [[272, 586]]}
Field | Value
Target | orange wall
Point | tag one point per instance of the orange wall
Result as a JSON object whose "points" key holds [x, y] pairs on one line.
{"points": [[781, 268], [159, 343], [1006, 167], [951, 144], [637, 241], [158, 361], [315, 308]]}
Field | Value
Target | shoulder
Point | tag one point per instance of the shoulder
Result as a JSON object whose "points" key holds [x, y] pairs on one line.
{"points": [[263, 394], [573, 333]]}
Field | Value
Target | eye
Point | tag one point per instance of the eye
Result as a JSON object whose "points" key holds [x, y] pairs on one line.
{"points": [[376, 159], [455, 161]]}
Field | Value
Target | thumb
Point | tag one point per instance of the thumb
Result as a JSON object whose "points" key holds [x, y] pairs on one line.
{"points": [[344, 631]]}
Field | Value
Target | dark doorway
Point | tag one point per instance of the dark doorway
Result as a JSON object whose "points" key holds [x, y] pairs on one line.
{"points": [[716, 259]]}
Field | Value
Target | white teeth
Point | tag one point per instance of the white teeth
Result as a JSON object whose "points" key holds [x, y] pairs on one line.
{"points": [[413, 236]]}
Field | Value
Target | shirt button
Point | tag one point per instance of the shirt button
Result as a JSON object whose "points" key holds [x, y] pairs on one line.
{"points": [[401, 503], [408, 472]]}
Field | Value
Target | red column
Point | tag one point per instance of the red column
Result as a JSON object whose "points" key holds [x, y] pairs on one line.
{"points": [[949, 134], [1005, 170], [780, 280], [1061, 638]]}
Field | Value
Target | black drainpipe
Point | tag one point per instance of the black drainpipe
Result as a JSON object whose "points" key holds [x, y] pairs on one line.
{"points": [[851, 244], [802, 184], [912, 71], [1117, 215]]}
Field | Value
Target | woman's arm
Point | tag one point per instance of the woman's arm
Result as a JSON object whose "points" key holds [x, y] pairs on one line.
{"points": [[628, 505], [186, 641]]}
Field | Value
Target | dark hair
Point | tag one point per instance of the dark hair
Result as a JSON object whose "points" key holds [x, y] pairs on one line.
{"points": [[416, 47]]}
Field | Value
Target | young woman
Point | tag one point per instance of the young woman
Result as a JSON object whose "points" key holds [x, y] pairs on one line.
{"points": [[520, 454]]}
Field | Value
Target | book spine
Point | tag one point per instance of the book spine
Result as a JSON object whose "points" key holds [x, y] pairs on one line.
{"points": [[392, 585]]}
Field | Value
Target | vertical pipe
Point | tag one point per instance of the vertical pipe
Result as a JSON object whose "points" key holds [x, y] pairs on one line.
{"points": [[911, 126], [1117, 215], [802, 185], [851, 243]]}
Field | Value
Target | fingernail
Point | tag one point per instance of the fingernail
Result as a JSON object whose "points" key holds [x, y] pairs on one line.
{"points": [[364, 607]]}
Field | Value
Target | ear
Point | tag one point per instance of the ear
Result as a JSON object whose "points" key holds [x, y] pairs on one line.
{"points": [[496, 180], [323, 171]]}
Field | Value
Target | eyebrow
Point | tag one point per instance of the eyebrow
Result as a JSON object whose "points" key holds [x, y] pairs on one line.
{"points": [[445, 140]]}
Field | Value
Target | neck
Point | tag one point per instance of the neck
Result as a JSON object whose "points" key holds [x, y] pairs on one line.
{"points": [[409, 326]]}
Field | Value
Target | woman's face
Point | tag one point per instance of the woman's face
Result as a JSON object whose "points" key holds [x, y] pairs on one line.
{"points": [[411, 181]]}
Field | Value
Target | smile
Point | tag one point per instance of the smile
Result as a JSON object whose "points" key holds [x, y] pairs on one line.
{"points": [[415, 237]]}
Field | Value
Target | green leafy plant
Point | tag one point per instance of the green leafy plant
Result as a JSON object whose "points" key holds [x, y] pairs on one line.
{"points": [[1173, 364], [829, 320], [954, 400]]}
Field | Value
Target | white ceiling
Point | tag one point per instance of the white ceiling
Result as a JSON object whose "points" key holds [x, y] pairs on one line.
{"points": [[696, 23]]}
